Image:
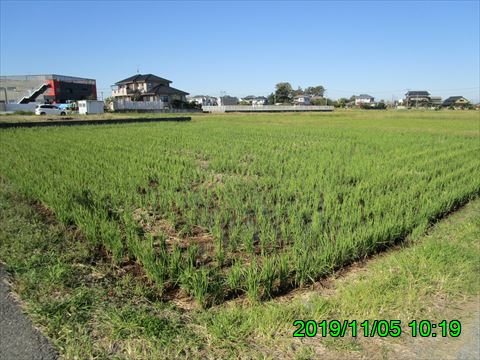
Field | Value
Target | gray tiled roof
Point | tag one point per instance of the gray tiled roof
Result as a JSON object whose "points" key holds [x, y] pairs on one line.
{"points": [[142, 78], [166, 90], [418, 93], [451, 100]]}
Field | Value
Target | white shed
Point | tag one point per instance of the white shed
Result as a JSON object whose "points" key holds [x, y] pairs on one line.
{"points": [[90, 107]]}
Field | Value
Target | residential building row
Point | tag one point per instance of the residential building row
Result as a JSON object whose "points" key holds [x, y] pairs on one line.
{"points": [[149, 91], [417, 99], [423, 99]]}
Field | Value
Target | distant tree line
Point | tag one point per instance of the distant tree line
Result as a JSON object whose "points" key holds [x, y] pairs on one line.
{"points": [[284, 93]]}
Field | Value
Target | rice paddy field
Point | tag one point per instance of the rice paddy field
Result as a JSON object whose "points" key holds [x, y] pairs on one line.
{"points": [[252, 205]]}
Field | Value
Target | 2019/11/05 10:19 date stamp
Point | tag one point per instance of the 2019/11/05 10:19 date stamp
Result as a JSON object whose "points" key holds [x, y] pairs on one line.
{"points": [[372, 328]]}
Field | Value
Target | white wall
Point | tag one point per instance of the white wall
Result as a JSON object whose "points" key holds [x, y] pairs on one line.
{"points": [[90, 107], [265, 108], [363, 101], [138, 105], [21, 107]]}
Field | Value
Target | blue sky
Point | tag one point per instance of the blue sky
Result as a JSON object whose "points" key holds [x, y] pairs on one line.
{"points": [[241, 48]]}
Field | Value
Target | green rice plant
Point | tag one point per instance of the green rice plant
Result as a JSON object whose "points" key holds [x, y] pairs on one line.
{"points": [[144, 251], [304, 267], [268, 275], [282, 268], [250, 237], [314, 191], [192, 255], [235, 277], [112, 240], [253, 281], [175, 264], [220, 255], [196, 283]]}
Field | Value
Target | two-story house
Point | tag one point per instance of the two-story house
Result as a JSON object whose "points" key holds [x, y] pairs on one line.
{"points": [[364, 99], [456, 102], [254, 100], [417, 99], [148, 88], [302, 100], [203, 100]]}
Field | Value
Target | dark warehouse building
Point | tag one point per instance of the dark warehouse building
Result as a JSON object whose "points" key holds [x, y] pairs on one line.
{"points": [[23, 89]]}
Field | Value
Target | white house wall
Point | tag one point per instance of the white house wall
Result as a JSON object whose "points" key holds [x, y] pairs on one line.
{"points": [[138, 105]]}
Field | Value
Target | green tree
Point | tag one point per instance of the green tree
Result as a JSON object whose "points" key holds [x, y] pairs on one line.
{"points": [[323, 101], [271, 99], [137, 95], [341, 102], [315, 90], [299, 91], [283, 92]]}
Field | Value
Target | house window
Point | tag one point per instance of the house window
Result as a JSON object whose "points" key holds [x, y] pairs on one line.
{"points": [[164, 98]]}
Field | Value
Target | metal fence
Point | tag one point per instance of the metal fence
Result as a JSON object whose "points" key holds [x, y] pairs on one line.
{"points": [[266, 108], [21, 107], [138, 105], [147, 106]]}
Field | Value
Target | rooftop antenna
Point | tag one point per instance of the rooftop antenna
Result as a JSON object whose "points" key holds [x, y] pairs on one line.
{"points": [[138, 69]]}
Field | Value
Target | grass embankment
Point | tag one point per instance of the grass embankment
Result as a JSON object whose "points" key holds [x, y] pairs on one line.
{"points": [[91, 309]]}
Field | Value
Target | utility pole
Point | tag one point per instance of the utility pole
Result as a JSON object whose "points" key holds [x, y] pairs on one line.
{"points": [[5, 91], [222, 97]]}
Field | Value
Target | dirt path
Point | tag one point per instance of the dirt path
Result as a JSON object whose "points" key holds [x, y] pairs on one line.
{"points": [[466, 346]]}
